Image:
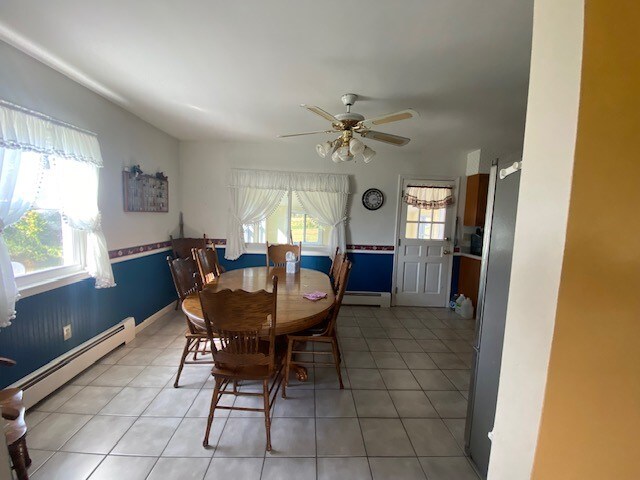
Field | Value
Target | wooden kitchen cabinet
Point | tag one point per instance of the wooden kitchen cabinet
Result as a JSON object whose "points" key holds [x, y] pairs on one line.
{"points": [[476, 201], [469, 279]]}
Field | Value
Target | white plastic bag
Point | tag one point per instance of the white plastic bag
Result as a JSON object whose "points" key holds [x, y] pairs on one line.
{"points": [[466, 309], [459, 301]]}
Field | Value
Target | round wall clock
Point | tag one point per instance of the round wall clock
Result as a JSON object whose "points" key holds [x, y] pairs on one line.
{"points": [[372, 199]]}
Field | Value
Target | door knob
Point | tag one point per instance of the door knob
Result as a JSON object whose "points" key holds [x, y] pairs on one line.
{"points": [[446, 252]]}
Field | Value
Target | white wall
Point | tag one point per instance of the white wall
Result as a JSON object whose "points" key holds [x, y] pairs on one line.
{"points": [[124, 140], [205, 166], [543, 204]]}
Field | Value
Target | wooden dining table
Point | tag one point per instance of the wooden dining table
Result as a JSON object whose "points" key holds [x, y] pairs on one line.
{"points": [[294, 313]]}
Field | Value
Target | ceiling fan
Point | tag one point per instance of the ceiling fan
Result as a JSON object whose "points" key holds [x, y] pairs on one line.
{"points": [[345, 147]]}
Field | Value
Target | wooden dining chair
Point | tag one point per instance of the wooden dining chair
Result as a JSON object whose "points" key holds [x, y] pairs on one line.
{"points": [[276, 253], [208, 264], [182, 249], [324, 333], [15, 429], [182, 246], [238, 318], [336, 265], [186, 279]]}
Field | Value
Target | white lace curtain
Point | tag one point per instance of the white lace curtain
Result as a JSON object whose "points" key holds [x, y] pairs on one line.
{"points": [[428, 197], [74, 156], [255, 194]]}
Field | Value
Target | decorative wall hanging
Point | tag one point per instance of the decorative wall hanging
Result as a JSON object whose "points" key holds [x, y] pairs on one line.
{"points": [[143, 192]]}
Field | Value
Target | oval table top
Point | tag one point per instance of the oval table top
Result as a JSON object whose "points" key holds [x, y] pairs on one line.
{"points": [[294, 313]]}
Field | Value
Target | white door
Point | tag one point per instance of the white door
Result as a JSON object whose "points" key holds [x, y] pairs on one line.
{"points": [[423, 253]]}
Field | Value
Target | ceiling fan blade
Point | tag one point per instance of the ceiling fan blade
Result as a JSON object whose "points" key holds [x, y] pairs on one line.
{"points": [[396, 140], [391, 117], [321, 112], [306, 133]]}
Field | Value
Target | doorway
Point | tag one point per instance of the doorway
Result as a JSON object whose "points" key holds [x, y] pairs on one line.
{"points": [[423, 253]]}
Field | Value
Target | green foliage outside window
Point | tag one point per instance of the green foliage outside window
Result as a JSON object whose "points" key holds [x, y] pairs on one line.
{"points": [[309, 233], [35, 240]]}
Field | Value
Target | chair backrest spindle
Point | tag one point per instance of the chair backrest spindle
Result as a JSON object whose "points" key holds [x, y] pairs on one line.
{"points": [[208, 265], [238, 319]]}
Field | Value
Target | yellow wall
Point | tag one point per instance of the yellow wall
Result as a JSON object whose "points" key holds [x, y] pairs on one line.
{"points": [[590, 425]]}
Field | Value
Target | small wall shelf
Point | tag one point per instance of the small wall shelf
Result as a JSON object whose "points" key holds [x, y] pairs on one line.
{"points": [[145, 193]]}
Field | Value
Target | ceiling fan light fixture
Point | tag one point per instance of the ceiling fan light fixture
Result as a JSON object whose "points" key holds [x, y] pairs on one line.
{"points": [[368, 154], [324, 149], [356, 147], [345, 148], [320, 150], [344, 154]]}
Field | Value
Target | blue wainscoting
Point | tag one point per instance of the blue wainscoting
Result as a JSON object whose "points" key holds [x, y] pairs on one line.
{"points": [[370, 273], [144, 286]]}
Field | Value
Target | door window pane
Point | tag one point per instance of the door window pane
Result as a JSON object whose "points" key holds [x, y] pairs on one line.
{"points": [[424, 232], [425, 215], [411, 230], [437, 231], [412, 213], [439, 215], [425, 223]]}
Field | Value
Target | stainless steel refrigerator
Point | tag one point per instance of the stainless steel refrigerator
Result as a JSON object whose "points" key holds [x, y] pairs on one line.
{"points": [[491, 310]]}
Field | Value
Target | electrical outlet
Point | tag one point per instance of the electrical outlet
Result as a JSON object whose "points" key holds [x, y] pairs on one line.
{"points": [[66, 332]]}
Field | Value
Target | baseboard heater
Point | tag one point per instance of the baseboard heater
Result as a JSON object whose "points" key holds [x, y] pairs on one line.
{"points": [[374, 299], [56, 373]]}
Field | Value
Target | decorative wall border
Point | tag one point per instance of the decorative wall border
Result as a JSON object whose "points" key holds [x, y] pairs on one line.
{"points": [[128, 251], [220, 242], [371, 248]]}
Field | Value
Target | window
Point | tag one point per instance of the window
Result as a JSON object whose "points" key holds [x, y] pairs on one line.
{"points": [[255, 233], [425, 224], [41, 245], [305, 229], [288, 222]]}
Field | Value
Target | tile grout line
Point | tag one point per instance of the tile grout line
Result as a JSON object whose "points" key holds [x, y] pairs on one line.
{"points": [[314, 390]]}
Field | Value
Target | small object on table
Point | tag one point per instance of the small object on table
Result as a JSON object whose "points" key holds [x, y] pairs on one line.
{"points": [[315, 296], [293, 263]]}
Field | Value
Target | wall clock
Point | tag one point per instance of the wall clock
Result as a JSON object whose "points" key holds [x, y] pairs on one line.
{"points": [[372, 199]]}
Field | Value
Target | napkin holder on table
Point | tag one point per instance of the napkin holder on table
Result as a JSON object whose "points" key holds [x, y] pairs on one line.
{"points": [[293, 263]]}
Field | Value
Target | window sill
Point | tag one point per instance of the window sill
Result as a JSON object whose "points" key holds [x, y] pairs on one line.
{"points": [[307, 250], [51, 283]]}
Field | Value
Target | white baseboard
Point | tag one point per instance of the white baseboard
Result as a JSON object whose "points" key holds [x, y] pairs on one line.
{"points": [[375, 299], [160, 313], [59, 371], [47, 379]]}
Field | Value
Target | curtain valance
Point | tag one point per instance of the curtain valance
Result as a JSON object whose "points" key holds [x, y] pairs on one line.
{"points": [[428, 197], [25, 130], [297, 181]]}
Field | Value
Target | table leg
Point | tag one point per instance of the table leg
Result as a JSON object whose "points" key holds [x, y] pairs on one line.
{"points": [[301, 372]]}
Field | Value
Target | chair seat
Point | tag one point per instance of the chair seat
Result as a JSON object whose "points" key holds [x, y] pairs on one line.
{"points": [[316, 330], [249, 372], [13, 429]]}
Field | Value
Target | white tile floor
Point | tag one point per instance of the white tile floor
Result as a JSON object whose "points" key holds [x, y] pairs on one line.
{"points": [[400, 416]]}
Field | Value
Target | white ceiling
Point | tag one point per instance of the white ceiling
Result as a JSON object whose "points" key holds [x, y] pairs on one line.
{"points": [[202, 69]]}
